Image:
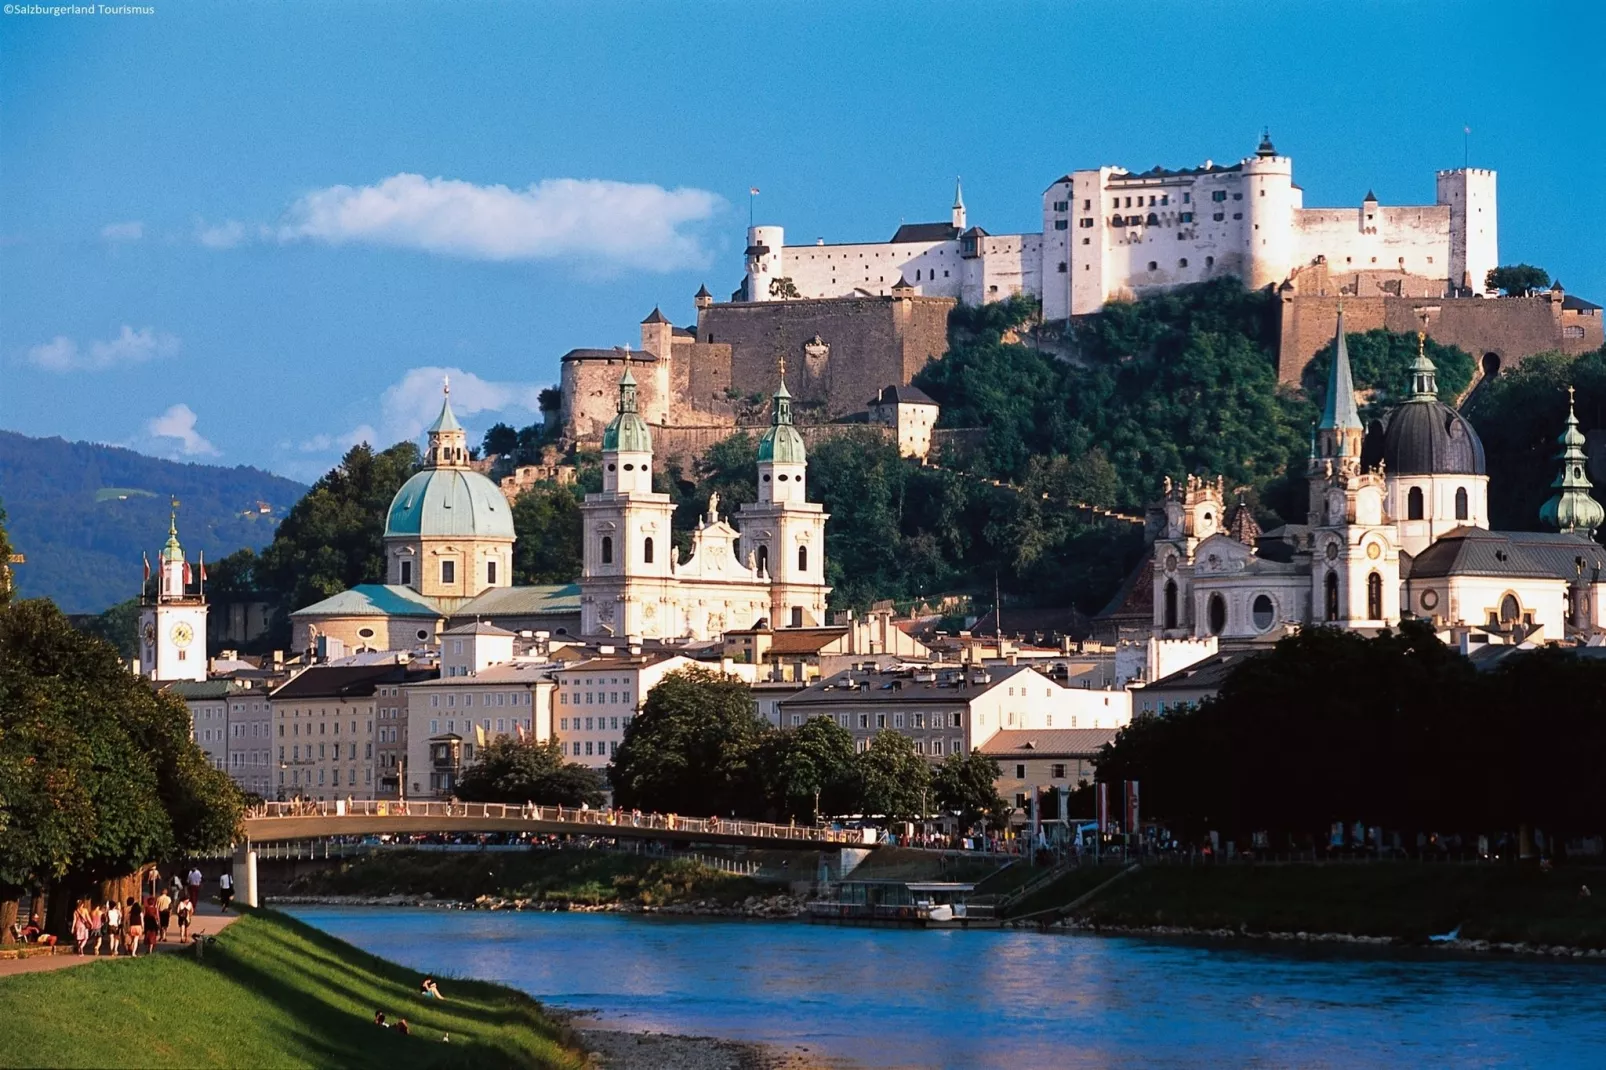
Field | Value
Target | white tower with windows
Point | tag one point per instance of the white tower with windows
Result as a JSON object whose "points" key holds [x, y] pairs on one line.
{"points": [[172, 627]]}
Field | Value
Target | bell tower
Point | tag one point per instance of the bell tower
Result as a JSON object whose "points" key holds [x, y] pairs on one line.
{"points": [[172, 625]]}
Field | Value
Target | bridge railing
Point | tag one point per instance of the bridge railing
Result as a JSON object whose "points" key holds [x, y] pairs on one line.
{"points": [[605, 821]]}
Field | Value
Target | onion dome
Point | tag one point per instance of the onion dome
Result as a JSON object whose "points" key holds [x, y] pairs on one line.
{"points": [[628, 432], [782, 444], [1571, 509], [1424, 436], [448, 498]]}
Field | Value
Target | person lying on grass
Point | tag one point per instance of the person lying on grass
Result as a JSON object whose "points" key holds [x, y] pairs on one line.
{"points": [[430, 990]]}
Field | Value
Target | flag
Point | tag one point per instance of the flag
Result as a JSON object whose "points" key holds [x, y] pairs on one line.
{"points": [[186, 573], [203, 566], [479, 736], [147, 558], [520, 729], [752, 191]]}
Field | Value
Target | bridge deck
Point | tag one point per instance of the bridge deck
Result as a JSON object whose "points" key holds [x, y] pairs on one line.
{"points": [[271, 822]]}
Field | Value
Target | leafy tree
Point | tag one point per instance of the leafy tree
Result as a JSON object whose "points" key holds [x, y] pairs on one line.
{"points": [[784, 289], [234, 576], [964, 785], [691, 749], [332, 539], [98, 773], [500, 439], [1517, 280], [810, 769], [118, 626], [1381, 362], [548, 525], [518, 771], [894, 781], [1518, 415]]}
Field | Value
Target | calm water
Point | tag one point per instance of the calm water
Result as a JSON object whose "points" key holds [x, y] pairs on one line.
{"points": [[906, 998]]}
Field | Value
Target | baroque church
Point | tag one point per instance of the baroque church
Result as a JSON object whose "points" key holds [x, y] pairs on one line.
{"points": [[1397, 527], [768, 567]]}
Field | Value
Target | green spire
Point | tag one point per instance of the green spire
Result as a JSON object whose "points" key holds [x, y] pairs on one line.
{"points": [[172, 551], [628, 432], [1339, 412], [1424, 387], [1571, 509], [446, 421], [782, 444]]}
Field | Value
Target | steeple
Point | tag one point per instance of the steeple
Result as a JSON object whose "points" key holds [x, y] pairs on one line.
{"points": [[1340, 430], [1571, 509], [959, 206], [1424, 387], [448, 442], [782, 459], [627, 444]]}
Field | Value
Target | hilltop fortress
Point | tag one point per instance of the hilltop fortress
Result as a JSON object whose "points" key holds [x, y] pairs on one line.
{"points": [[854, 319]]}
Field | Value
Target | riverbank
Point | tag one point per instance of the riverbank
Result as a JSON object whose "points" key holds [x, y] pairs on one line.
{"points": [[271, 991], [774, 907], [1491, 908], [621, 1049]]}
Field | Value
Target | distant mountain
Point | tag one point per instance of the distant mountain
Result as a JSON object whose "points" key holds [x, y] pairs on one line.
{"points": [[82, 513]]}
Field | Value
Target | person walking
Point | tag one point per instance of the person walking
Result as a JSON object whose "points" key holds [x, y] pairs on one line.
{"points": [[97, 926], [164, 912], [135, 926], [114, 928], [225, 885], [185, 911], [153, 929], [194, 882], [80, 926]]}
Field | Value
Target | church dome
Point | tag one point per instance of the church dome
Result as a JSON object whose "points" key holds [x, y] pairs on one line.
{"points": [[781, 443], [1426, 437], [449, 502], [627, 432]]}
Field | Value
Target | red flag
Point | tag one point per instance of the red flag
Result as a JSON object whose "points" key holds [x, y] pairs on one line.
{"points": [[520, 730], [147, 558], [186, 573], [203, 566]]}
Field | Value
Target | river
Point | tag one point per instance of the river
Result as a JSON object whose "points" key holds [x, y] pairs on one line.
{"points": [[909, 998]]}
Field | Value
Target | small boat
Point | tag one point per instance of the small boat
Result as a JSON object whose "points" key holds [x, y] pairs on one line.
{"points": [[917, 904]]}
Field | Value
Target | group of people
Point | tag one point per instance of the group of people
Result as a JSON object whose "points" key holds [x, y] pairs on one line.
{"points": [[428, 989], [123, 929]]}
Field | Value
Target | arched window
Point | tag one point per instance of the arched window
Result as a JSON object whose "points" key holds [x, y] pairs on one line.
{"points": [[1461, 510], [1170, 603], [802, 558], [1332, 595], [607, 549], [1263, 612], [646, 550], [1374, 597], [1413, 504], [1510, 610], [1217, 614], [764, 559]]}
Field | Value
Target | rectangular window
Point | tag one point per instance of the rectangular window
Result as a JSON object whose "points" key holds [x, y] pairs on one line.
{"points": [[1061, 206], [434, 727], [956, 746], [1184, 217], [1219, 195], [936, 747], [613, 723], [1086, 222], [881, 720], [613, 747], [1057, 771], [864, 720], [797, 719], [448, 571], [897, 720], [490, 573], [953, 719], [1020, 771], [588, 724], [501, 724], [1062, 224], [406, 573], [588, 746], [1219, 216]]}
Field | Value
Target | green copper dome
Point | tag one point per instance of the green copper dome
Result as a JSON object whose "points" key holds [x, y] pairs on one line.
{"points": [[782, 444], [1571, 509], [449, 502], [628, 432]]}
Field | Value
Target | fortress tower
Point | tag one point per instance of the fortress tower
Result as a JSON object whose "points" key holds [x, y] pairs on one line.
{"points": [[1271, 200], [766, 260], [1474, 230]]}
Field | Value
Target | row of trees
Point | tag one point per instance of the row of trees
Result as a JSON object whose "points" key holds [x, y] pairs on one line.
{"points": [[698, 748], [1398, 731], [99, 774]]}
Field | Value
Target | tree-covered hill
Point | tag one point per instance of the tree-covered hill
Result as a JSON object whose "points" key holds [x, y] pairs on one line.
{"points": [[82, 513]]}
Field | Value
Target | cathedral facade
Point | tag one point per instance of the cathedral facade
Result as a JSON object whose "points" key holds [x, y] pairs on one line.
{"points": [[1397, 527], [769, 566]]}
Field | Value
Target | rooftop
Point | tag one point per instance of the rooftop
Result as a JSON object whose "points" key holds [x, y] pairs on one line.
{"points": [[919, 232], [478, 628], [1212, 672], [373, 600], [542, 600], [347, 681], [525, 673], [899, 685], [1048, 743], [901, 395]]}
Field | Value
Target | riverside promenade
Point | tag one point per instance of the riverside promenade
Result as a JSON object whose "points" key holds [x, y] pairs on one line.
{"points": [[209, 921]]}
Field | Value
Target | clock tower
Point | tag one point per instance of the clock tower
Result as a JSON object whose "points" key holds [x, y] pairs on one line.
{"points": [[172, 627]]}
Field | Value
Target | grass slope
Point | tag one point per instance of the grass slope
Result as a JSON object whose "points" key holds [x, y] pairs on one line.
{"points": [[272, 992], [1406, 901], [591, 877]]}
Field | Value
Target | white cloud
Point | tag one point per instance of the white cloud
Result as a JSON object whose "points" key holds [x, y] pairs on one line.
{"points": [[589, 220], [178, 423], [411, 404], [62, 354], [118, 232], [325, 443], [222, 235]]}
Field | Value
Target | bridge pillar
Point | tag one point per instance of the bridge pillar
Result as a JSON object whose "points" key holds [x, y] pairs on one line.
{"points": [[245, 874]]}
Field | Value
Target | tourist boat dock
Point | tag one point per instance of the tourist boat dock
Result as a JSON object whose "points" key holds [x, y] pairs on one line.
{"points": [[915, 904]]}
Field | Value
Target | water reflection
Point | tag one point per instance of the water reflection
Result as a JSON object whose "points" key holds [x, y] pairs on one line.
{"points": [[896, 998]]}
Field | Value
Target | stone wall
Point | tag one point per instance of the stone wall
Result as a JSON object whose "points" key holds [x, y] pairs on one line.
{"points": [[864, 344], [688, 443], [1498, 332]]}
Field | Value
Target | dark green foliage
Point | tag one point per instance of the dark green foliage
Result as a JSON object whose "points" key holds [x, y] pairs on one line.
{"points": [[1381, 362], [510, 770], [500, 439], [1397, 731], [5, 559], [964, 785], [546, 519], [814, 760], [119, 626], [333, 538], [98, 773], [691, 749], [1517, 280], [1519, 415], [83, 513], [894, 781]]}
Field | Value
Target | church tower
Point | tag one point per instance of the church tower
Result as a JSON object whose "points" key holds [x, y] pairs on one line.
{"points": [[172, 627], [958, 217], [627, 556], [1571, 509], [783, 530], [1355, 563]]}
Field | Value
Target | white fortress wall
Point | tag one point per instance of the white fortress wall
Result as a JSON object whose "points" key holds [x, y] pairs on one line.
{"points": [[1413, 239], [933, 268]]}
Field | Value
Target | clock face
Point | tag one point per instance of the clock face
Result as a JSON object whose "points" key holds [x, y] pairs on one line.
{"points": [[150, 634], [1332, 551], [182, 634], [1374, 551]]}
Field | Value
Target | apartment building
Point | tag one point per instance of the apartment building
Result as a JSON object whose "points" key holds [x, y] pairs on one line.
{"points": [[326, 727]]}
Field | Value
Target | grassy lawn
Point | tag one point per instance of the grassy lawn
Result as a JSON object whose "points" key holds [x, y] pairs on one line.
{"points": [[1064, 889], [908, 864], [272, 992], [591, 877], [1403, 900]]}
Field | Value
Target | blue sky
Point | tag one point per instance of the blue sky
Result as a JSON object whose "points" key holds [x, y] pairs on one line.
{"points": [[248, 233]]}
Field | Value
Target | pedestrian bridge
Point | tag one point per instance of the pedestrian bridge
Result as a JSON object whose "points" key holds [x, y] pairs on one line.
{"points": [[305, 820]]}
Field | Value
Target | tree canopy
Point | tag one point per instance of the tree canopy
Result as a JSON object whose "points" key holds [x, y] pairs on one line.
{"points": [[510, 770], [966, 785], [894, 781], [1517, 280], [549, 530], [809, 762], [1381, 361]]}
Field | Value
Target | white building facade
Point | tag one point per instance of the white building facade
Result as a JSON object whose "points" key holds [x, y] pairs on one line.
{"points": [[172, 627], [597, 699]]}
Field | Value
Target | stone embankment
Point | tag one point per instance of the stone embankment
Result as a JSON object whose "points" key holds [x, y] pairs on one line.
{"points": [[768, 907], [1476, 946]]}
